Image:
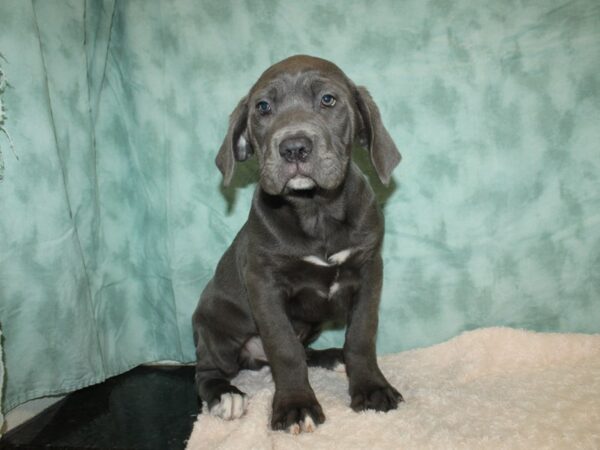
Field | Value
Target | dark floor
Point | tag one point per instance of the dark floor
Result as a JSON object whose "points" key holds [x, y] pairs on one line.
{"points": [[146, 408]]}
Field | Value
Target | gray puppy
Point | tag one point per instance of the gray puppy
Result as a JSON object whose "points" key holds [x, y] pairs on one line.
{"points": [[309, 251]]}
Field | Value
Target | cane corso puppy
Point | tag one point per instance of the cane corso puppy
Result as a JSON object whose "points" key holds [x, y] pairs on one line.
{"points": [[309, 252]]}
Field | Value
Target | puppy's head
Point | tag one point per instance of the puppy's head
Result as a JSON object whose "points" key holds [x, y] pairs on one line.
{"points": [[301, 119]]}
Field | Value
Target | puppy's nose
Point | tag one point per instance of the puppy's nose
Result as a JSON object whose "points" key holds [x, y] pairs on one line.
{"points": [[295, 149]]}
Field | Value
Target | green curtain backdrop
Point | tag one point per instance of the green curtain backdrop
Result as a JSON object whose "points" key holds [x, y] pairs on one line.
{"points": [[112, 219]]}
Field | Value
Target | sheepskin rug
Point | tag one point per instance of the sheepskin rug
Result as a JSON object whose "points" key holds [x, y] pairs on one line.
{"points": [[490, 388]]}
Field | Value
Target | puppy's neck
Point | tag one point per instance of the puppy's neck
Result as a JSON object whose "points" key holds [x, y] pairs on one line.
{"points": [[319, 212]]}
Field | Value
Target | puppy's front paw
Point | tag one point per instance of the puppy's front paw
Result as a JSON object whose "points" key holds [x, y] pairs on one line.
{"points": [[296, 412], [379, 398], [231, 405]]}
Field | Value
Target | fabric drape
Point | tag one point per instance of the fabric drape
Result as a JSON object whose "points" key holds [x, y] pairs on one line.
{"points": [[112, 218]]}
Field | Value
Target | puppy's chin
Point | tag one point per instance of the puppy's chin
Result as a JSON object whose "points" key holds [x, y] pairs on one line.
{"points": [[300, 183], [300, 186]]}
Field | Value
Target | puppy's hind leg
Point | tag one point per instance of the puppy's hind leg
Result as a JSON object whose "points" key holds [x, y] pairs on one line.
{"points": [[212, 382], [308, 333], [329, 358]]}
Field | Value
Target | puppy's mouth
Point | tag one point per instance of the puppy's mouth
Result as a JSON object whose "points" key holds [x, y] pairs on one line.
{"points": [[298, 178]]}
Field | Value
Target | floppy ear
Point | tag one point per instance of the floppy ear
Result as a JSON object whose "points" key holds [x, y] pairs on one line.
{"points": [[235, 146], [373, 136]]}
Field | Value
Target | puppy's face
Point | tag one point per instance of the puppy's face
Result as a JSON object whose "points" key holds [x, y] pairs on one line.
{"points": [[301, 125], [301, 119]]}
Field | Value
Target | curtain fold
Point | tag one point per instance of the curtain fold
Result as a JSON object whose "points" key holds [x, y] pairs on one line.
{"points": [[113, 218]]}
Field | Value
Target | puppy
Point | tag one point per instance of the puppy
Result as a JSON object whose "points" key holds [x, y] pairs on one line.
{"points": [[310, 251]]}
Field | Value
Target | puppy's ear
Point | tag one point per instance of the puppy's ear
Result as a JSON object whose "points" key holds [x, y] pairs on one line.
{"points": [[374, 137], [235, 146]]}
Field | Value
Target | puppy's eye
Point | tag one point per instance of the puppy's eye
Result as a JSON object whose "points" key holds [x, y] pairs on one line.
{"points": [[328, 100], [263, 107]]}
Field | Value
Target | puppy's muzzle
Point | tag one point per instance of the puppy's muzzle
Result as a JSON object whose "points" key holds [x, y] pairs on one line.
{"points": [[295, 149]]}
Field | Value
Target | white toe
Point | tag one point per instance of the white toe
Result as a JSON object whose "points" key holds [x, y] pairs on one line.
{"points": [[238, 407], [308, 426], [231, 406]]}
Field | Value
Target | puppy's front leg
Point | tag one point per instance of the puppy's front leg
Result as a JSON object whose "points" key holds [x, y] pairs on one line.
{"points": [[295, 407], [368, 387]]}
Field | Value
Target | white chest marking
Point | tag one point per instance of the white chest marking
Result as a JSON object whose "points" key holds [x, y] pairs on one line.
{"points": [[316, 261], [337, 259], [334, 288], [340, 258]]}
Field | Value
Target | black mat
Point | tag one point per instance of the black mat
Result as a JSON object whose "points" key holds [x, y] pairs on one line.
{"points": [[146, 408]]}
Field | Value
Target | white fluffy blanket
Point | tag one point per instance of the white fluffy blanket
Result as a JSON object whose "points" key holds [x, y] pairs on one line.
{"points": [[489, 388]]}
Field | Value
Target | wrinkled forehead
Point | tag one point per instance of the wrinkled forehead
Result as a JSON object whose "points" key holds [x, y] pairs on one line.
{"points": [[282, 79]]}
